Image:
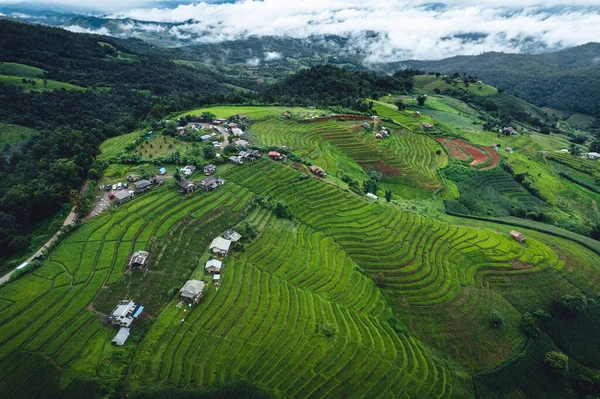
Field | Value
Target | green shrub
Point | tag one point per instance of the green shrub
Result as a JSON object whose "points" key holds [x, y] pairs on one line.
{"points": [[557, 362]]}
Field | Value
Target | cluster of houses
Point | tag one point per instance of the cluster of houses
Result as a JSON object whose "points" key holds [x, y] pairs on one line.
{"points": [[138, 187], [277, 156], [193, 290], [209, 183]]}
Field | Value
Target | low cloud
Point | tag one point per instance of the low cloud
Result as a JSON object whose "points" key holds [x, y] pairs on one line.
{"points": [[272, 56], [384, 30], [253, 62], [80, 29]]}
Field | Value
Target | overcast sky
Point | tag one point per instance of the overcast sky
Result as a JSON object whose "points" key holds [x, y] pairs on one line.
{"points": [[406, 29]]}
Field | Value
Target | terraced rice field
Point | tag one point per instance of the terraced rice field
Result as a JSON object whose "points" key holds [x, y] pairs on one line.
{"points": [[411, 155], [421, 259], [263, 325], [579, 163], [46, 314]]}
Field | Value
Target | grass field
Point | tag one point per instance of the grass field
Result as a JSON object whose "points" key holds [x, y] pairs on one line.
{"points": [[253, 112], [115, 145], [14, 69], [13, 134], [39, 86]]}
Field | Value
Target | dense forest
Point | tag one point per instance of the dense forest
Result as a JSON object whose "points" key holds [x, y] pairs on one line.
{"points": [[329, 85], [122, 96], [566, 80]]}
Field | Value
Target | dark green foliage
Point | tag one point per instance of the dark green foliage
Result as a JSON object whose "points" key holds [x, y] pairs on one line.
{"points": [[496, 319], [326, 85], [283, 211], [177, 175], [421, 98], [595, 146], [574, 150], [557, 362], [572, 305], [207, 117], [327, 329], [209, 152], [388, 195]]}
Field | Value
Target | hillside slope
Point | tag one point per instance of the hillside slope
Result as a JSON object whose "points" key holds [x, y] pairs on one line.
{"points": [[567, 79]]}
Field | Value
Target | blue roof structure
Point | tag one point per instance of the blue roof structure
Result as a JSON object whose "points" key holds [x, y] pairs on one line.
{"points": [[163, 170], [138, 311]]}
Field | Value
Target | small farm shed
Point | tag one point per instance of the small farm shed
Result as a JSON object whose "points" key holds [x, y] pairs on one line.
{"points": [[209, 169], [213, 266], [121, 336], [139, 260], [192, 291], [123, 196], [216, 279], [236, 131], [188, 170], [515, 235], [220, 246], [316, 170], [142, 186], [186, 186]]}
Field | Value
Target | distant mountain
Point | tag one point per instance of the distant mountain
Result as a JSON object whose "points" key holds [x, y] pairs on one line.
{"points": [[567, 79]]}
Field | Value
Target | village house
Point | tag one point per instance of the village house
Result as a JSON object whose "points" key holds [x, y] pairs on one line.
{"points": [[158, 180], [213, 266], [242, 117], [236, 131], [142, 186], [139, 260], [372, 196], [219, 121], [519, 237], [194, 125], [162, 171], [237, 160], [211, 183], [240, 143], [123, 196], [192, 291], [232, 235], [233, 125], [186, 186], [205, 137], [125, 313], [209, 169], [494, 146], [249, 155], [592, 155], [181, 130], [276, 156], [508, 149], [508, 130], [316, 170], [216, 279], [366, 125], [427, 126], [220, 246], [188, 170]]}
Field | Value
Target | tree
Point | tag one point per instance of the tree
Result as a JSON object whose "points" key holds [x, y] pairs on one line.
{"points": [[354, 185], [595, 146], [177, 175], [207, 117], [574, 150], [388, 195], [401, 106], [496, 319], [573, 304], [557, 362], [421, 98], [283, 211], [209, 152]]}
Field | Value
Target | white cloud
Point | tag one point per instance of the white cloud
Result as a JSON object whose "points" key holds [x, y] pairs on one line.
{"points": [[81, 29], [386, 30], [272, 56], [253, 61]]}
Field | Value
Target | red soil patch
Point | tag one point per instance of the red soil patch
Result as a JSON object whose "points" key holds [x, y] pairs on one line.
{"points": [[456, 151], [380, 166], [494, 155], [479, 156]]}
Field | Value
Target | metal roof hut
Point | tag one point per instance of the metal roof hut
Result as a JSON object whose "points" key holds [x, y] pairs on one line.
{"points": [[139, 260], [192, 291], [519, 237]]}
